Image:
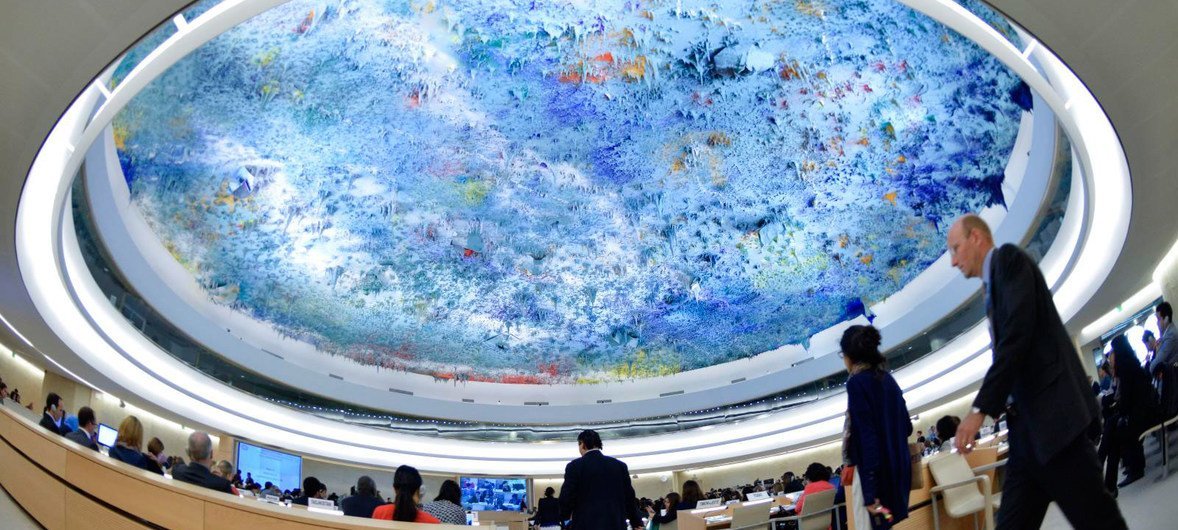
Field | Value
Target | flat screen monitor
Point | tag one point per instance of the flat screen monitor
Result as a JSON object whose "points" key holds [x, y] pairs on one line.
{"points": [[493, 494], [107, 435], [268, 465]]}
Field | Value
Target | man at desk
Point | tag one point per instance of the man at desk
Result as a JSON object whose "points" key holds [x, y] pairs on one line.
{"points": [[597, 493], [1036, 378]]}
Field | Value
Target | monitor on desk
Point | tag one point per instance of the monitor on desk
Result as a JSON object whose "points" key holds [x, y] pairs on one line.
{"points": [[107, 435]]}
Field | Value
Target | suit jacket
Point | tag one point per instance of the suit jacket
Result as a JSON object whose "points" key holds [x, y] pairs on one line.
{"points": [[360, 505], [1167, 352], [547, 512], [194, 473], [47, 422], [1034, 362], [81, 437], [597, 494]]}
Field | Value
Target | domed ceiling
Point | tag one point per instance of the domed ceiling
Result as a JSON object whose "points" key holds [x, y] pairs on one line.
{"points": [[567, 192]]}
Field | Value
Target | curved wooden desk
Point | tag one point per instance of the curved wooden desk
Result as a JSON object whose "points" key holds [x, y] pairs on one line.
{"points": [[65, 486]]}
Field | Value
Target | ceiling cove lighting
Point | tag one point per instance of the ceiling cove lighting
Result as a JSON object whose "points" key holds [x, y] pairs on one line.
{"points": [[74, 308]]}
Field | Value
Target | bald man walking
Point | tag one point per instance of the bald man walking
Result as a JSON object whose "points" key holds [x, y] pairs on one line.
{"points": [[1036, 379]]}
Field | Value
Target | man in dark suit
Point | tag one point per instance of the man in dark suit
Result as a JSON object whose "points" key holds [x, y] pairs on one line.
{"points": [[597, 493], [1035, 378], [200, 452], [53, 419], [87, 426], [364, 502]]}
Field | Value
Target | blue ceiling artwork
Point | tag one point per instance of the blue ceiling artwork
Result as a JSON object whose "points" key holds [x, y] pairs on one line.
{"points": [[567, 191]]}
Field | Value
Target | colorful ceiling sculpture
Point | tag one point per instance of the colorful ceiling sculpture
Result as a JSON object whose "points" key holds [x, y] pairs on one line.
{"points": [[564, 192]]}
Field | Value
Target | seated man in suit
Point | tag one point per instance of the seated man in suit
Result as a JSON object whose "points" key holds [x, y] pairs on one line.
{"points": [[54, 418], [87, 426], [312, 489], [200, 451], [597, 493], [364, 502]]}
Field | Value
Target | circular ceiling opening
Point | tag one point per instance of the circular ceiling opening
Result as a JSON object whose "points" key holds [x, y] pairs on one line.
{"points": [[566, 192]]}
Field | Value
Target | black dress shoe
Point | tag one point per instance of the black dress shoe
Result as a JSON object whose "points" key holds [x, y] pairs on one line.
{"points": [[1131, 479]]}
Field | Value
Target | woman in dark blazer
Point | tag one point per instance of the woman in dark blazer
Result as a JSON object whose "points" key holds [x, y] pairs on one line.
{"points": [[548, 511], [1129, 414], [875, 436]]}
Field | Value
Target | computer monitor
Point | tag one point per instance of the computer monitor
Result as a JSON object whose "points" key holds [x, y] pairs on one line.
{"points": [[107, 435], [493, 493], [268, 465]]}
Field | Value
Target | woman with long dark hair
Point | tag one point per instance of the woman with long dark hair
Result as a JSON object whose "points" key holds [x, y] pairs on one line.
{"points": [[447, 506], [692, 494], [670, 510], [1129, 414], [875, 434], [406, 498]]}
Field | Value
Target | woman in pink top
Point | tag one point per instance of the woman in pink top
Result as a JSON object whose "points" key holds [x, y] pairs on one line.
{"points": [[817, 479]]}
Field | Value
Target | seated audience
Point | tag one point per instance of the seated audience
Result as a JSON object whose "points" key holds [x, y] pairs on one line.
{"points": [[947, 432], [271, 489], [312, 489], [407, 496], [3, 391], [127, 445], [670, 510], [817, 477], [200, 452], [155, 455], [548, 511], [87, 428], [224, 469], [447, 506], [53, 418], [363, 501], [692, 494], [15, 397], [792, 483]]}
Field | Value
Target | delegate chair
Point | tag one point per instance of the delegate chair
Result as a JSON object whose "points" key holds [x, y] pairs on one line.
{"points": [[750, 516], [958, 486], [816, 512]]}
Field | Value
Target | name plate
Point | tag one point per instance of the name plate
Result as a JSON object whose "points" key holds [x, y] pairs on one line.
{"points": [[322, 504], [709, 503], [273, 499], [758, 496]]}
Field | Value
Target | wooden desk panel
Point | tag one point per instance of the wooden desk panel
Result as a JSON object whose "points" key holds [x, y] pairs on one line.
{"points": [[36, 491], [126, 489], [35, 442], [81, 513]]}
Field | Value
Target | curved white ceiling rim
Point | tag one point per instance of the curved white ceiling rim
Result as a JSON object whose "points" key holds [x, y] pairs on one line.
{"points": [[76, 310]]}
